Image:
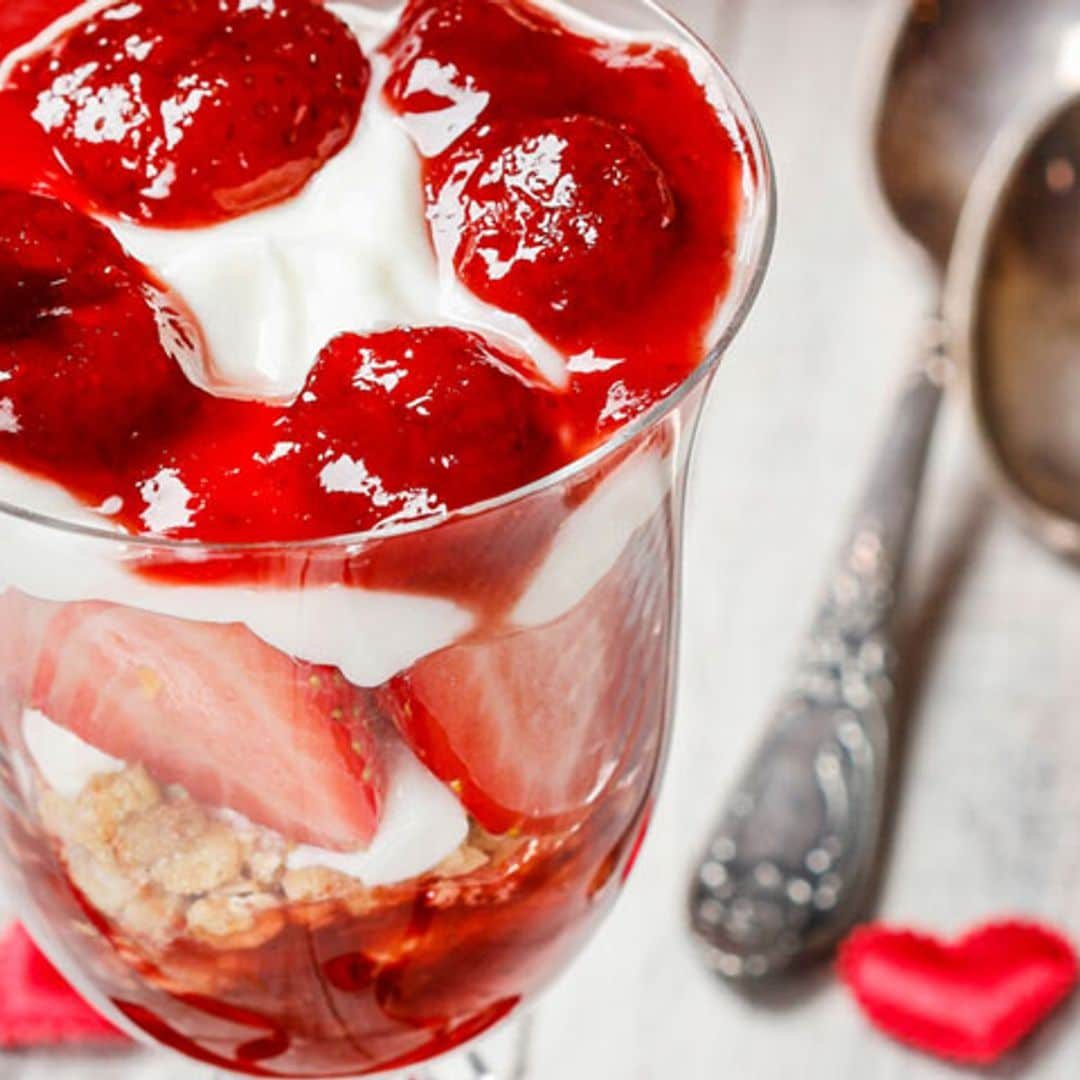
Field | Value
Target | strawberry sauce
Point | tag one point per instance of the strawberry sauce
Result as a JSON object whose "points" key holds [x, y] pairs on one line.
{"points": [[395, 426], [347, 988], [89, 383], [589, 187], [567, 198]]}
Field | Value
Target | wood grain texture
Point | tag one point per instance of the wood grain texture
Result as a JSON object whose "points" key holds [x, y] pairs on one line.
{"points": [[990, 810]]}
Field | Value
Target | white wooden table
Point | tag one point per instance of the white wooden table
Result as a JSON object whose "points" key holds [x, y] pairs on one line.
{"points": [[990, 816]]}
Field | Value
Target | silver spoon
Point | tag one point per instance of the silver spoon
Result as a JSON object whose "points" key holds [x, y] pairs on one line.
{"points": [[789, 866], [1013, 306]]}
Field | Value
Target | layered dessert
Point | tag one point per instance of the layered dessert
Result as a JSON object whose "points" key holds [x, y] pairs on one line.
{"points": [[336, 560]]}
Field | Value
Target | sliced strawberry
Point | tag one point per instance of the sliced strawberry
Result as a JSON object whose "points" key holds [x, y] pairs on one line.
{"points": [[565, 221], [23, 625], [213, 107], [529, 728], [213, 708]]}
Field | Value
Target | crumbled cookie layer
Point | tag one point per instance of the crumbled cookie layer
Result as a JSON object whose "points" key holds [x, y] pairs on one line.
{"points": [[161, 866]]}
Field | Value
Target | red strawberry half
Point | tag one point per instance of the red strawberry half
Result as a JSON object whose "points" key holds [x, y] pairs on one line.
{"points": [[529, 728], [213, 708]]}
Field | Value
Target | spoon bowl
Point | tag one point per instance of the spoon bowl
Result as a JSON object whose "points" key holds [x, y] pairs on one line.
{"points": [[1013, 308], [951, 73]]}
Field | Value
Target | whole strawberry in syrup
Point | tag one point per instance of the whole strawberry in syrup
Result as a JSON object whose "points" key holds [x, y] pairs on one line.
{"points": [[391, 427], [89, 345], [188, 112], [560, 220]]}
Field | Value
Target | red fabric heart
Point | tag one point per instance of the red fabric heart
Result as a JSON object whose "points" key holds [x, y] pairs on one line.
{"points": [[37, 1006], [969, 1000]]}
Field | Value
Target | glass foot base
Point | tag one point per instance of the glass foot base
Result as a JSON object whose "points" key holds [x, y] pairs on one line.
{"points": [[502, 1055]]}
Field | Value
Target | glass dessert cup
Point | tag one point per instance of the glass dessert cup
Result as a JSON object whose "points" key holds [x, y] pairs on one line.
{"points": [[214, 936]]}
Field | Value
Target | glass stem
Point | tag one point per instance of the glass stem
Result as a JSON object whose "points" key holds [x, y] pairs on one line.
{"points": [[506, 1056]]}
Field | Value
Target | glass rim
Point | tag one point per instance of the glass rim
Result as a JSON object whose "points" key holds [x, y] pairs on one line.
{"points": [[745, 286]]}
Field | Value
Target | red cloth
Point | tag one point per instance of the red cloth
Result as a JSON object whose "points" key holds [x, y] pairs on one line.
{"points": [[970, 1000], [37, 1006]]}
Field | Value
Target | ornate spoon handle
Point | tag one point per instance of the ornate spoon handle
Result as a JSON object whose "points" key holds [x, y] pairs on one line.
{"points": [[787, 869]]}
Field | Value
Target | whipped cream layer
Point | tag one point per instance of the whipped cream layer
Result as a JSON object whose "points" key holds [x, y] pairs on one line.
{"points": [[349, 252], [422, 823], [66, 763], [370, 634]]}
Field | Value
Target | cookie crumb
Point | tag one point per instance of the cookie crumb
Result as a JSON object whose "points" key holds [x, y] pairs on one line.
{"points": [[316, 883]]}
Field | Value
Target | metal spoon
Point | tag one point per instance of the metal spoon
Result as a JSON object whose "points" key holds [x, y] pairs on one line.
{"points": [[789, 866], [1013, 304]]}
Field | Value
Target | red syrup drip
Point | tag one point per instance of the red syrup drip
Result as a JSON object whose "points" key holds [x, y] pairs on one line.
{"points": [[402, 979]]}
